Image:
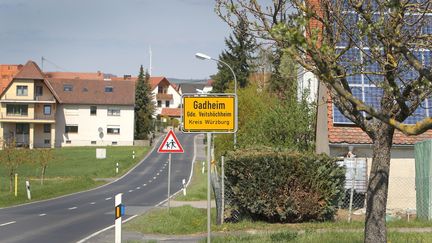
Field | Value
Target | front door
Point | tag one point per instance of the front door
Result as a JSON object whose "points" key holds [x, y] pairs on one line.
{"points": [[22, 134]]}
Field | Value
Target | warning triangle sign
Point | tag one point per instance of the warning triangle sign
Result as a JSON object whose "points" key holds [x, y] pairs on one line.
{"points": [[170, 144]]}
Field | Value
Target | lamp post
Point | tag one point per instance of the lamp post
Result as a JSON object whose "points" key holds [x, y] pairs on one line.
{"points": [[207, 57]]}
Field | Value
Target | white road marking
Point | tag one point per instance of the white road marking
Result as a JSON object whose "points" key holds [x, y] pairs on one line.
{"points": [[11, 222], [138, 188], [144, 184], [154, 178], [130, 190], [160, 170], [157, 173], [42, 214], [150, 181], [93, 203], [72, 208], [108, 198]]}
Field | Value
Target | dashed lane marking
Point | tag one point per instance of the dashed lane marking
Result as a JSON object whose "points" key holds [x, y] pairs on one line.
{"points": [[154, 178], [72, 208], [130, 190], [11, 222], [144, 184], [93, 203], [138, 187], [157, 173], [42, 214], [108, 198]]}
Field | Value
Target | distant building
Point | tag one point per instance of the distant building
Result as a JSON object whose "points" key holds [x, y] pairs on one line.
{"points": [[38, 111], [7, 72]]}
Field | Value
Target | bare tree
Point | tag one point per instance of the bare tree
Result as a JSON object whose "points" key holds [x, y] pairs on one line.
{"points": [[385, 42], [44, 157], [12, 157]]}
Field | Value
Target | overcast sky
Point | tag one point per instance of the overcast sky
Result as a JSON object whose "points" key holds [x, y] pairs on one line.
{"points": [[113, 36]]}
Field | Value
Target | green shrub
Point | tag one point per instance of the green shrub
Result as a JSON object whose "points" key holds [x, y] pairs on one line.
{"points": [[281, 186]]}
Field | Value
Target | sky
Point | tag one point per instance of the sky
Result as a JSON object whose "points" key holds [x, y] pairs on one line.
{"points": [[113, 36]]}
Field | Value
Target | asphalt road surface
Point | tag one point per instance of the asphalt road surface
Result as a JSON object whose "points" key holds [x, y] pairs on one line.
{"points": [[74, 217]]}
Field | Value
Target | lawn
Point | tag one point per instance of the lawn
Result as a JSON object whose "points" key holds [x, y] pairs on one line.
{"points": [[197, 189], [73, 169]]}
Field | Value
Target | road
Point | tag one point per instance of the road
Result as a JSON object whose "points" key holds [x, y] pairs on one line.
{"points": [[73, 217]]}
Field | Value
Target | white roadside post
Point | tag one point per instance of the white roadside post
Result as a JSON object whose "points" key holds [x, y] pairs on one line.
{"points": [[133, 154], [208, 187], [28, 190], [119, 210], [184, 187], [117, 166], [203, 167]]}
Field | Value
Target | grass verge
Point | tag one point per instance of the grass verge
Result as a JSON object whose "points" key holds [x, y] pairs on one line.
{"points": [[197, 189], [189, 220], [73, 169]]}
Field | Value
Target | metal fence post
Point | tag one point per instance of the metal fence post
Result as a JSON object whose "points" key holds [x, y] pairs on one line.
{"points": [[352, 190], [223, 188]]}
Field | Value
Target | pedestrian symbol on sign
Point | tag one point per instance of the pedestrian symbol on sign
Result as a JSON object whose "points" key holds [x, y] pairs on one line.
{"points": [[170, 144]]}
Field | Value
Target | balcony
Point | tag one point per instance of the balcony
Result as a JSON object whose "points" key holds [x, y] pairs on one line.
{"points": [[164, 96], [26, 99], [35, 118]]}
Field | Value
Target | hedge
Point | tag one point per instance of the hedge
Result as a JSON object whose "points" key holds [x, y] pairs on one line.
{"points": [[281, 186]]}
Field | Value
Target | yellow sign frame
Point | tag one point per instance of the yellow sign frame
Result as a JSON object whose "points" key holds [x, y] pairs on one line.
{"points": [[215, 113]]}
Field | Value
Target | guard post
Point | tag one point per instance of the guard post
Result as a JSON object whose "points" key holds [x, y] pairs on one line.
{"points": [[119, 211]]}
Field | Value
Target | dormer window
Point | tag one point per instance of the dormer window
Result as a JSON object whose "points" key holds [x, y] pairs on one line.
{"points": [[108, 89], [67, 87], [22, 90]]}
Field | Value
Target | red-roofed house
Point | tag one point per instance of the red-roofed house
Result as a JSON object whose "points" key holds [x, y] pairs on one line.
{"points": [[7, 72], [166, 96], [38, 111]]}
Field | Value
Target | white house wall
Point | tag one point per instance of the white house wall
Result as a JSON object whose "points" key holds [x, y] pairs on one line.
{"points": [[88, 125], [401, 192]]}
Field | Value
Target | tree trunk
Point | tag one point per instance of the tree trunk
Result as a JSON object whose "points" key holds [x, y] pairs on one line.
{"points": [[11, 181], [375, 225]]}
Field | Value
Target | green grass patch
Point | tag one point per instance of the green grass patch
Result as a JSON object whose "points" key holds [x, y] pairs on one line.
{"points": [[197, 189], [73, 169], [180, 220], [324, 237], [189, 220]]}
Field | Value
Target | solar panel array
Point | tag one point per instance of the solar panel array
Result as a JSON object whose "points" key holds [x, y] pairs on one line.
{"points": [[357, 62]]}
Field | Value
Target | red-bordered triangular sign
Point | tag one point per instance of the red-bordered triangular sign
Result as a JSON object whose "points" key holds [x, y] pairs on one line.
{"points": [[170, 144]]}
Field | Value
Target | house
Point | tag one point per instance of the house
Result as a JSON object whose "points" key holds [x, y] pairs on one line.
{"points": [[38, 111], [166, 97], [7, 72]]}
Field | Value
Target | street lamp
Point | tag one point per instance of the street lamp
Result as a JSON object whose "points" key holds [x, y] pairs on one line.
{"points": [[207, 57]]}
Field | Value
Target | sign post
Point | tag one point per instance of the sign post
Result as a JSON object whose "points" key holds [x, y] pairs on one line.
{"points": [[169, 145], [209, 113]]}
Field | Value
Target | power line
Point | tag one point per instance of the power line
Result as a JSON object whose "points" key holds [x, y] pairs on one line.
{"points": [[52, 63]]}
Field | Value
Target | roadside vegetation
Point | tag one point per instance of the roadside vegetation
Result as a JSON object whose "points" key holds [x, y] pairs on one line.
{"points": [[68, 170], [197, 189]]}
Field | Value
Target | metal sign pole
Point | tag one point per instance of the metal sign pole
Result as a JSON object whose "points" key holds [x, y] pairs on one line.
{"points": [[169, 180], [208, 186]]}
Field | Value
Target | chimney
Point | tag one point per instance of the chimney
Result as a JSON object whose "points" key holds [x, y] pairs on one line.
{"points": [[127, 76]]}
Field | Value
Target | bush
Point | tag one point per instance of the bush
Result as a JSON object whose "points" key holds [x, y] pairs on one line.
{"points": [[284, 186]]}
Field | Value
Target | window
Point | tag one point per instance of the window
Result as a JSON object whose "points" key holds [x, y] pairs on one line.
{"points": [[68, 141], [71, 129], [47, 128], [159, 103], [21, 128], [47, 110], [113, 111], [93, 142], [39, 90], [22, 90], [108, 89], [114, 143], [113, 130], [167, 102], [17, 110], [47, 141], [93, 110], [67, 87]]}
